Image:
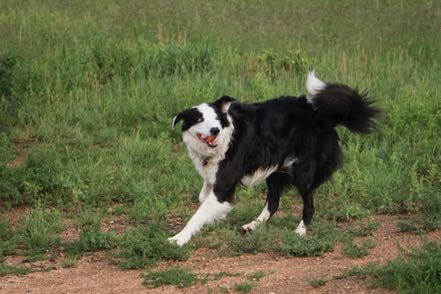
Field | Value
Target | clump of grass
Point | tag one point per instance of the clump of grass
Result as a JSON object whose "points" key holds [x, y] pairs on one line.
{"points": [[7, 240], [431, 212], [91, 237], [419, 272], [408, 226], [363, 231], [39, 231], [317, 283], [256, 276], [68, 262], [6, 269], [318, 241], [353, 250], [145, 246], [259, 240], [243, 287], [175, 275]]}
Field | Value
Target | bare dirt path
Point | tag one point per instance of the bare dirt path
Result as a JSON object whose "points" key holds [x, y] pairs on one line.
{"points": [[94, 274]]}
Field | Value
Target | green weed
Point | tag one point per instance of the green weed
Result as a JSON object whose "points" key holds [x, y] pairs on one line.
{"points": [[6, 269], [256, 276], [320, 241], [7, 240], [174, 275], [417, 273], [317, 283], [243, 287], [354, 250], [91, 237], [39, 232], [145, 246]]}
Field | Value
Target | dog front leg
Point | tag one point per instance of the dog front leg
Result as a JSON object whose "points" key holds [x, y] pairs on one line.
{"points": [[209, 211], [206, 188]]}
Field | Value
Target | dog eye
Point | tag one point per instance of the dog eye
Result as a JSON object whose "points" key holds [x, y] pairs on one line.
{"points": [[200, 120]]}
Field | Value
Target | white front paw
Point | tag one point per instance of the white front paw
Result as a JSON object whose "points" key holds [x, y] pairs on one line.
{"points": [[178, 240], [301, 231], [250, 227]]}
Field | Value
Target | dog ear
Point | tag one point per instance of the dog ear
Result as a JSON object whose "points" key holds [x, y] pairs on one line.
{"points": [[180, 116], [223, 103]]}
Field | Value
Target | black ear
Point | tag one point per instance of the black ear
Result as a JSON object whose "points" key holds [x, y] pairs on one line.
{"points": [[223, 103], [176, 119]]}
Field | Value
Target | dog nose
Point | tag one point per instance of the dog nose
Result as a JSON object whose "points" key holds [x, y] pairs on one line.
{"points": [[214, 131]]}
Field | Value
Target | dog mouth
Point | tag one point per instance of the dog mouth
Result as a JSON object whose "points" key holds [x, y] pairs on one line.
{"points": [[209, 140]]}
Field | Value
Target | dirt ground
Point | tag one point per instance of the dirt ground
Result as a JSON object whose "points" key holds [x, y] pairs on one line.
{"points": [[94, 273]]}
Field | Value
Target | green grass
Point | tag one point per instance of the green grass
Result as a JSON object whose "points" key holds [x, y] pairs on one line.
{"points": [[145, 246], [419, 272], [88, 90], [357, 250], [243, 287], [317, 283], [175, 276], [6, 269], [39, 232]]}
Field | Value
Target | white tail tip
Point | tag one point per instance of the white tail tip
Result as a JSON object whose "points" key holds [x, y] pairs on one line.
{"points": [[313, 85]]}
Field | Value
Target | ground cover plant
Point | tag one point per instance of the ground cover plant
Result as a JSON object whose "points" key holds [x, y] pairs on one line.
{"points": [[418, 272], [88, 90]]}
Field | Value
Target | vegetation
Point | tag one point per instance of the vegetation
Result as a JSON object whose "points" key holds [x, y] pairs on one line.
{"points": [[418, 272], [88, 90]]}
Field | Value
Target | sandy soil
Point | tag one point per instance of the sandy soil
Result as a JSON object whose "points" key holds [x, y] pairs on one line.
{"points": [[94, 273]]}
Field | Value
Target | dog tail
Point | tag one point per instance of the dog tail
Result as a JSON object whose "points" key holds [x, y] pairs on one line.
{"points": [[343, 104]]}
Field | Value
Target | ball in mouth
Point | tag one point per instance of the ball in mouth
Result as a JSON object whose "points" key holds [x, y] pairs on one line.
{"points": [[209, 140]]}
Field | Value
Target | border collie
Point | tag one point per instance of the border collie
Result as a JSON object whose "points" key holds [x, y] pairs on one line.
{"points": [[287, 141]]}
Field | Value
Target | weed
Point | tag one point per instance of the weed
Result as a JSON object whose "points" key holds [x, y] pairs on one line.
{"points": [[408, 226], [257, 241], [362, 231], [322, 240], [354, 250], [317, 283], [7, 240], [145, 246], [6, 269], [243, 287], [418, 273], [256, 276], [174, 275], [39, 231], [68, 262], [91, 237]]}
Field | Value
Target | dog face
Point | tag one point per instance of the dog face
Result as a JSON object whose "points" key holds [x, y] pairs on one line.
{"points": [[204, 126]]}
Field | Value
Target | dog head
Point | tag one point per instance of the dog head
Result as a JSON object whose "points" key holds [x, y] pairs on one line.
{"points": [[205, 126]]}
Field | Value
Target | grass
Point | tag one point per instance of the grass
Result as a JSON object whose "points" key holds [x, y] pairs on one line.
{"points": [[6, 269], [243, 287], [175, 276], [88, 91], [317, 283], [181, 278], [419, 272]]}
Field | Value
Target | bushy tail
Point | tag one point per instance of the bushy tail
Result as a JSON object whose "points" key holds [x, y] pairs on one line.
{"points": [[343, 104]]}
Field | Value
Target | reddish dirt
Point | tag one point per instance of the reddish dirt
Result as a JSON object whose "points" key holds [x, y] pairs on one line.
{"points": [[94, 273]]}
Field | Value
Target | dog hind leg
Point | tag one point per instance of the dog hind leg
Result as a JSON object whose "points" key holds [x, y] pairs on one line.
{"points": [[275, 183]]}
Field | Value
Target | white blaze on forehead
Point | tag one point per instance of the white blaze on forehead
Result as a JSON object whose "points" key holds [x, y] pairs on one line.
{"points": [[210, 119]]}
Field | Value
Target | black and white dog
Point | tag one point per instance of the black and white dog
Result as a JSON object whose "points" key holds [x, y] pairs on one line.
{"points": [[287, 141]]}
